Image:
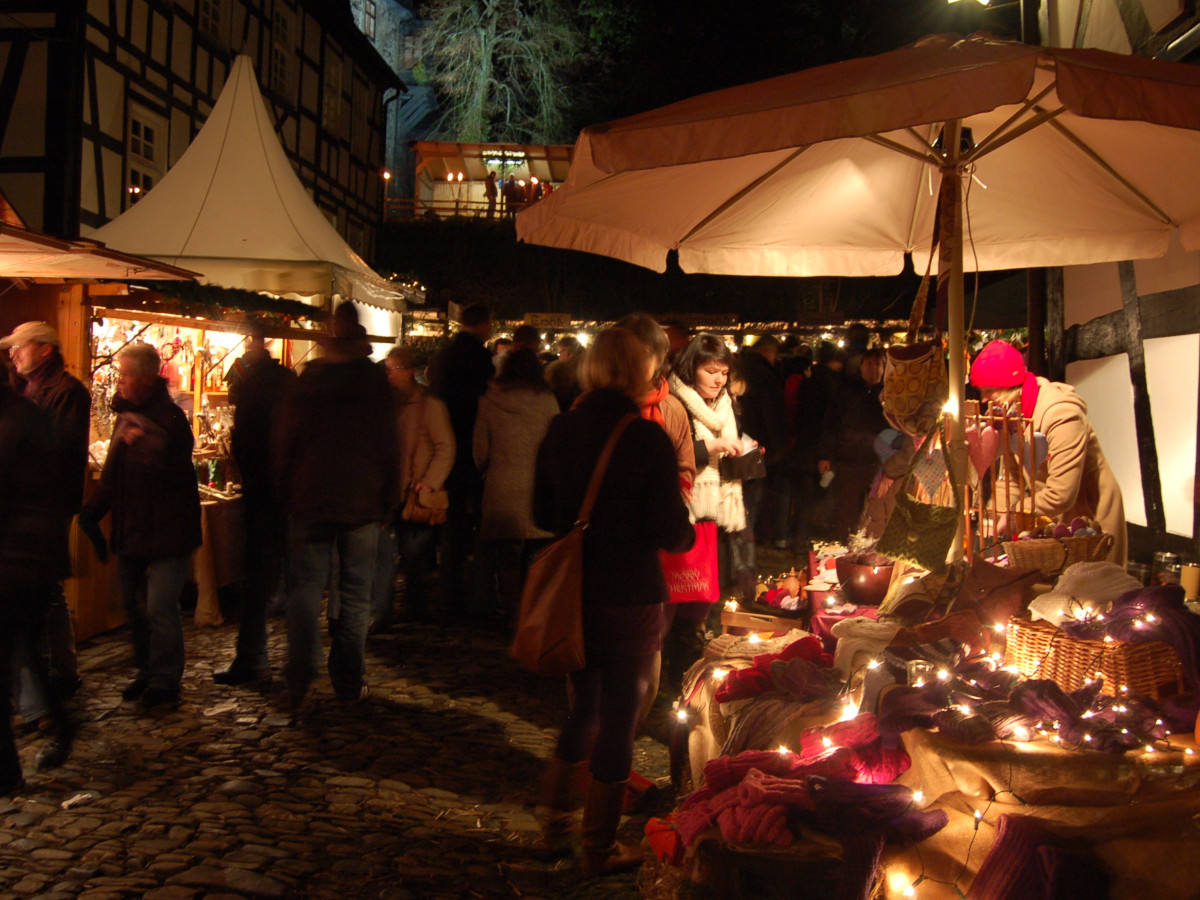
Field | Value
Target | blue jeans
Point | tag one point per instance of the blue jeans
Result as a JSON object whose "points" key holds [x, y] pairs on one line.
{"points": [[157, 632], [384, 585], [310, 546], [415, 542], [265, 535]]}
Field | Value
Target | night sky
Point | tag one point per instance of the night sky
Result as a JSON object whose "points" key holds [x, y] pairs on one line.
{"points": [[673, 49]]}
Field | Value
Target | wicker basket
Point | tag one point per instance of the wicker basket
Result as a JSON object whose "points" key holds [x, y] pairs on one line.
{"points": [[1052, 555], [1041, 650]]}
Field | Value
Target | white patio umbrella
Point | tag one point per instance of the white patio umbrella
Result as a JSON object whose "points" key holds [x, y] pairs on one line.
{"points": [[1052, 157]]}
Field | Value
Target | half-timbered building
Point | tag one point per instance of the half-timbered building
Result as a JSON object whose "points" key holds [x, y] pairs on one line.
{"points": [[98, 98]]}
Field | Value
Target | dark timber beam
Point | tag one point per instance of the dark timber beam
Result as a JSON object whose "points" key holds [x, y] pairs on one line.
{"points": [[1143, 419], [1056, 350]]}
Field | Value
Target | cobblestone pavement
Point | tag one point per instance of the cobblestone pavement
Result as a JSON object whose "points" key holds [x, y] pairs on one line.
{"points": [[425, 789]]}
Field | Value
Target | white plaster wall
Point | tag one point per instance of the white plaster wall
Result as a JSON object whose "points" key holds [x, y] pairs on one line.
{"points": [[1090, 291], [1173, 380], [1105, 386]]}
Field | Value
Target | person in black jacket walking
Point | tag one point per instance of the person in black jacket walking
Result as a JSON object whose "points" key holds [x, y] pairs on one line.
{"points": [[258, 395], [459, 377], [36, 355], [638, 512], [149, 485], [339, 467], [30, 558]]}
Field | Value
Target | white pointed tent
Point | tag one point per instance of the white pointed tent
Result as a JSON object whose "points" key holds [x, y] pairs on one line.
{"points": [[233, 209]]}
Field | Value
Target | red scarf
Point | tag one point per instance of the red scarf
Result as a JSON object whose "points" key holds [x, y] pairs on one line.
{"points": [[650, 401], [1029, 395]]}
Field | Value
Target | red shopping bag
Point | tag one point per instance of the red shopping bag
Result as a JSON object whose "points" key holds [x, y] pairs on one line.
{"points": [[692, 576]]}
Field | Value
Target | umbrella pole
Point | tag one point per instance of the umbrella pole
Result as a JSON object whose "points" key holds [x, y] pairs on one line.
{"points": [[951, 213]]}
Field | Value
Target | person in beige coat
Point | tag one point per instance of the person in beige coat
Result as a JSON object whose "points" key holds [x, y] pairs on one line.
{"points": [[1074, 479], [426, 456], [512, 420]]}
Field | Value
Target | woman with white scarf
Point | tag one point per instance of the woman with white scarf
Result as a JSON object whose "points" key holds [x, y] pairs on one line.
{"points": [[699, 381]]}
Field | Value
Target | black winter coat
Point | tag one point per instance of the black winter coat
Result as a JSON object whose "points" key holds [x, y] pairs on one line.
{"points": [[852, 421], [338, 454], [32, 552], [263, 389], [68, 405], [763, 414], [150, 485], [639, 509], [459, 376]]}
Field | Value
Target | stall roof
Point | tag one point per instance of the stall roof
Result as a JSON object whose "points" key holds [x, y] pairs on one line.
{"points": [[233, 209], [27, 254], [437, 159]]}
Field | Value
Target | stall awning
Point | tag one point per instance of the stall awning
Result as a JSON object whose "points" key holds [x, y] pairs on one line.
{"points": [[28, 255]]}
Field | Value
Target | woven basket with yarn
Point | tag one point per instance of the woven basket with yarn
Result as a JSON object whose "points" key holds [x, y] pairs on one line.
{"points": [[1053, 555], [1041, 650]]}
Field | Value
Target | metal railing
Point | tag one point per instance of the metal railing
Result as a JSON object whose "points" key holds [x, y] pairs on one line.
{"points": [[409, 208]]}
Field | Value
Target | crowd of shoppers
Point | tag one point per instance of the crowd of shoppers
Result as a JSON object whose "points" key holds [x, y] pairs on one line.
{"points": [[453, 475]]}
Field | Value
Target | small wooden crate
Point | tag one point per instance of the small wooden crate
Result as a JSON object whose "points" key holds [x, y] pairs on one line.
{"points": [[1041, 650]]}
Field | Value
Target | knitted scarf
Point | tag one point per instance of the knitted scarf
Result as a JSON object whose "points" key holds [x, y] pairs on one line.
{"points": [[712, 498]]}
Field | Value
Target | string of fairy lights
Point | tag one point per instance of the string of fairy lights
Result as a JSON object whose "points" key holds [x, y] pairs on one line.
{"points": [[1154, 746]]}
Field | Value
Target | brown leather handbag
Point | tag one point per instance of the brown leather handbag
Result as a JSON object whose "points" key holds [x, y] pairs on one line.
{"points": [[549, 634], [426, 507]]}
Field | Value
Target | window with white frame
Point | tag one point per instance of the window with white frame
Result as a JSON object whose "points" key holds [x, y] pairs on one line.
{"points": [[281, 49], [369, 19], [210, 15], [146, 145]]}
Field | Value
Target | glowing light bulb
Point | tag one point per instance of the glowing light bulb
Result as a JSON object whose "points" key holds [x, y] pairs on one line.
{"points": [[978, 815], [1000, 629], [1149, 748], [731, 606], [681, 715], [964, 709], [828, 742], [849, 711], [918, 796], [719, 674], [783, 749], [1020, 733], [754, 638], [942, 674], [873, 664]]}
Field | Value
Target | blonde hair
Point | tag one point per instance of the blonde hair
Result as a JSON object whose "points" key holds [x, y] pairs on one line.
{"points": [[1009, 398], [616, 360]]}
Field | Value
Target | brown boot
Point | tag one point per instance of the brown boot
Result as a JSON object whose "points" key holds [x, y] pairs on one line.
{"points": [[559, 798], [602, 855]]}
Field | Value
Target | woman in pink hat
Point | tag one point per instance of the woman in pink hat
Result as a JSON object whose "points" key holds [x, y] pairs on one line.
{"points": [[1074, 479]]}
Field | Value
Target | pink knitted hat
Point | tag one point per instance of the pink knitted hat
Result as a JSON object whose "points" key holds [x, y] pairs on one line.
{"points": [[999, 365]]}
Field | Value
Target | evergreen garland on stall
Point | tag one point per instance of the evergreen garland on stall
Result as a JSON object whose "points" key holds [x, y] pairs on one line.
{"points": [[212, 301]]}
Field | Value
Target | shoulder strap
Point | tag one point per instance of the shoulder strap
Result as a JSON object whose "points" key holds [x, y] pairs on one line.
{"points": [[593, 490], [938, 429]]}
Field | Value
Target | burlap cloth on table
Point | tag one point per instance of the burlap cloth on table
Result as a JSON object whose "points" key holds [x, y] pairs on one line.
{"points": [[1138, 817]]}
